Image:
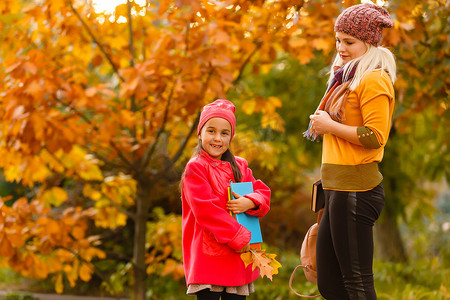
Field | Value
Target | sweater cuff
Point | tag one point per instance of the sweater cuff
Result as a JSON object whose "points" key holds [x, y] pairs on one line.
{"points": [[367, 138], [241, 239]]}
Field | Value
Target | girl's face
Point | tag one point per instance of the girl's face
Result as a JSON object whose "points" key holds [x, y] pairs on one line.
{"points": [[349, 47], [216, 136]]}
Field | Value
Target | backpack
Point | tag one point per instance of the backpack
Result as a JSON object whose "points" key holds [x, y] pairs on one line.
{"points": [[308, 256]]}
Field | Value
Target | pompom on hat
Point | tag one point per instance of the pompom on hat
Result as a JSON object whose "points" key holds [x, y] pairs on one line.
{"points": [[218, 109], [365, 22]]}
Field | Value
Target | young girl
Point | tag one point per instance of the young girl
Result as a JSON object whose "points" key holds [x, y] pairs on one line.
{"points": [[212, 238], [354, 118]]}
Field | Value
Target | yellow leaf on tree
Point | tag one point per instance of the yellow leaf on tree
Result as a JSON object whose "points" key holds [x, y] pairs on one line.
{"points": [[273, 120], [59, 286], [55, 196], [91, 172], [85, 272], [275, 101], [170, 266], [71, 272], [91, 252], [305, 56], [41, 269], [127, 118], [78, 232], [90, 192], [249, 106], [322, 44]]}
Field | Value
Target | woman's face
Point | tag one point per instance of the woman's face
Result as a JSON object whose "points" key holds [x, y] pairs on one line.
{"points": [[349, 47], [216, 136]]}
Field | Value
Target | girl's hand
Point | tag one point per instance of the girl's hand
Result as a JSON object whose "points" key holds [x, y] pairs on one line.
{"points": [[240, 204], [321, 122], [244, 249]]}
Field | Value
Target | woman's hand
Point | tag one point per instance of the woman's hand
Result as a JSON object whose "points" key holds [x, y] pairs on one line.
{"points": [[240, 204], [321, 122]]}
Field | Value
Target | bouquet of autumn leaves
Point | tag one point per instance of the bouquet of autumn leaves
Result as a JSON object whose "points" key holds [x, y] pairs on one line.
{"points": [[266, 262]]}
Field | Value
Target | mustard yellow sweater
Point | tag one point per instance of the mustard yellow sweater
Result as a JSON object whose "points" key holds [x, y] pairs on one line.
{"points": [[350, 167]]}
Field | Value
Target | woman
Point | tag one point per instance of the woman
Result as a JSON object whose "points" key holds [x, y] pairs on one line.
{"points": [[354, 119]]}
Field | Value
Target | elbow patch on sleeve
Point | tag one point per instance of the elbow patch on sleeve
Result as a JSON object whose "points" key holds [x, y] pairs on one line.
{"points": [[368, 138]]}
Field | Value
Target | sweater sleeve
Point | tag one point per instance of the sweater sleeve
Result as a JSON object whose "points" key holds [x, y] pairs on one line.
{"points": [[376, 102], [208, 212], [261, 192]]}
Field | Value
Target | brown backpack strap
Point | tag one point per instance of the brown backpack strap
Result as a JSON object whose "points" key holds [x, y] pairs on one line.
{"points": [[292, 278], [319, 215]]}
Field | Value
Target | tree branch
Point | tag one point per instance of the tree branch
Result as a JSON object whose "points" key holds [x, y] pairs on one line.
{"points": [[186, 40], [147, 156], [130, 32], [177, 155], [258, 45], [131, 42], [94, 39], [87, 120], [112, 144]]}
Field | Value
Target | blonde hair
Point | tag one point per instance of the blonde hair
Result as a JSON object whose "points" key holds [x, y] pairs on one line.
{"points": [[375, 58]]}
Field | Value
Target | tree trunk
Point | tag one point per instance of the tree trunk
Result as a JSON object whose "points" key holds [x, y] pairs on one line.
{"points": [[140, 230], [388, 242]]}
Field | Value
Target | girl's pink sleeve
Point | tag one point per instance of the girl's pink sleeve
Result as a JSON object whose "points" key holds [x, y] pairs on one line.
{"points": [[208, 211], [260, 196]]}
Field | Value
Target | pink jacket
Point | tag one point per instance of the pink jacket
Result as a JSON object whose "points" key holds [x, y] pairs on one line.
{"points": [[211, 235]]}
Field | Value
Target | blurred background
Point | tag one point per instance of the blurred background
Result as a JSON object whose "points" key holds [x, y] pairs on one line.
{"points": [[99, 105]]}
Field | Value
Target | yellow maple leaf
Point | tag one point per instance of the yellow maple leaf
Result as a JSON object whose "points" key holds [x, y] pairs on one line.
{"points": [[247, 258], [274, 263]]}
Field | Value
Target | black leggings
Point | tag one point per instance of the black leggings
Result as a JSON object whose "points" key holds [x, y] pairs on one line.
{"points": [[345, 244], [206, 294]]}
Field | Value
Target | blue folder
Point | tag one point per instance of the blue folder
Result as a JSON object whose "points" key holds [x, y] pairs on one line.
{"points": [[248, 221]]}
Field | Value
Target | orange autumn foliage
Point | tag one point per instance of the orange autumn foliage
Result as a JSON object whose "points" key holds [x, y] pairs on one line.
{"points": [[96, 112]]}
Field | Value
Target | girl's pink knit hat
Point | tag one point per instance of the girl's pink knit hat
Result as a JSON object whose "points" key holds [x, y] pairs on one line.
{"points": [[365, 22], [221, 109]]}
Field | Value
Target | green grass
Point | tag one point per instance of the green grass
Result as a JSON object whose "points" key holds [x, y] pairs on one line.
{"points": [[18, 296], [421, 280], [9, 279]]}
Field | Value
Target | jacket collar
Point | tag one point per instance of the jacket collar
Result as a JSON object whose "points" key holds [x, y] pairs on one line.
{"points": [[214, 162]]}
